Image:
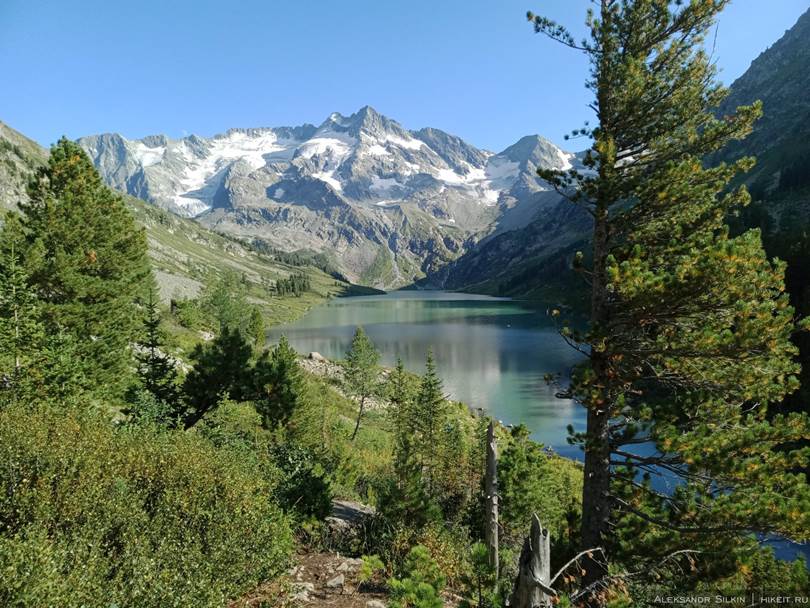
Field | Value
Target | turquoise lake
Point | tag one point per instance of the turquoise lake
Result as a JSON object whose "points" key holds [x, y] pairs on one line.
{"points": [[492, 353]]}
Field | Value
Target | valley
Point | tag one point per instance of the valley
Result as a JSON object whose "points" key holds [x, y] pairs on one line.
{"points": [[364, 363]]}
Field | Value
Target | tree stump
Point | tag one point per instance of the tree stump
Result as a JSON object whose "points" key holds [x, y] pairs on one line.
{"points": [[532, 588], [491, 489]]}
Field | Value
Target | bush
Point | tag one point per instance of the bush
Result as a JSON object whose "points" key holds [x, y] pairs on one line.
{"points": [[188, 313], [91, 515], [531, 480], [421, 584], [304, 485]]}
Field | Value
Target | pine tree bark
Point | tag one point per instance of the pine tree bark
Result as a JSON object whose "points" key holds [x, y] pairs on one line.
{"points": [[596, 481]]}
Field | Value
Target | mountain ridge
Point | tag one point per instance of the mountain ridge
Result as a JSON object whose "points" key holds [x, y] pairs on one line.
{"points": [[360, 188]]}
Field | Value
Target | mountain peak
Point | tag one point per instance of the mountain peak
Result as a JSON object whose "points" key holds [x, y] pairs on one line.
{"points": [[366, 119], [537, 151]]}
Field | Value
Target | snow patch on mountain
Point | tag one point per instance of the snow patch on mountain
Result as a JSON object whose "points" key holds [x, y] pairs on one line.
{"points": [[146, 155], [329, 178], [410, 143], [338, 145], [363, 158]]}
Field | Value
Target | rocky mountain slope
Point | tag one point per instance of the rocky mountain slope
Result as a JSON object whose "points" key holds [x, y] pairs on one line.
{"points": [[184, 254], [19, 158], [389, 205], [780, 77]]}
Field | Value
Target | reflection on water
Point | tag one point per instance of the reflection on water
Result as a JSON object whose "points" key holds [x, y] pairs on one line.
{"points": [[492, 353]]}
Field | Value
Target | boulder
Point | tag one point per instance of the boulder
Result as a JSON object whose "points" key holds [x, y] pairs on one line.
{"points": [[300, 591]]}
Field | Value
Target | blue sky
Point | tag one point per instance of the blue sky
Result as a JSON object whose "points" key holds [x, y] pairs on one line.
{"points": [[470, 67]]}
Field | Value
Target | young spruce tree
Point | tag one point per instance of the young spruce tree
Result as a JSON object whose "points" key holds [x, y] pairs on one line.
{"points": [[689, 334], [430, 413], [157, 372]]}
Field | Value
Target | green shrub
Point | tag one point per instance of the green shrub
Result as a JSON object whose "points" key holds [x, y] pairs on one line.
{"points": [[479, 581], [531, 480], [92, 515], [371, 570], [421, 583], [304, 486]]}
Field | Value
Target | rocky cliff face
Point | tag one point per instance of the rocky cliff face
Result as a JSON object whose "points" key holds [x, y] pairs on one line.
{"points": [[780, 77], [389, 205], [19, 158]]}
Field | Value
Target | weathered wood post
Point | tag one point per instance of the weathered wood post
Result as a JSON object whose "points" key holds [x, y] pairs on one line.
{"points": [[491, 489], [532, 586]]}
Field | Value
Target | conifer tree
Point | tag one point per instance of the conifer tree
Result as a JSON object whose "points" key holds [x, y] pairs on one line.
{"points": [[362, 371], [689, 334], [400, 395], [256, 328], [406, 498], [20, 328], [221, 368], [277, 384], [88, 264], [430, 413], [224, 300], [156, 369], [57, 372]]}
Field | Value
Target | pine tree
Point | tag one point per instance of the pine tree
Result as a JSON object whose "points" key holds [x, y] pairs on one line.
{"points": [[20, 328], [362, 372], [221, 368], [224, 300], [88, 264], [156, 369], [406, 499], [689, 334], [57, 373], [277, 384]]}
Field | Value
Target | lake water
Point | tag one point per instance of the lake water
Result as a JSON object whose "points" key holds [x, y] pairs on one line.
{"points": [[492, 353]]}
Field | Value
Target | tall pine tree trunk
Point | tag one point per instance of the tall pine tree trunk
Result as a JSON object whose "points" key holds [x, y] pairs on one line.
{"points": [[596, 482]]}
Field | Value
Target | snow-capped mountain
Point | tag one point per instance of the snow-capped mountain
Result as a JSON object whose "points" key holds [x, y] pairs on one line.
{"points": [[388, 204]]}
